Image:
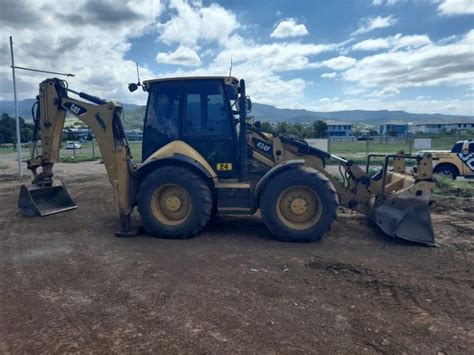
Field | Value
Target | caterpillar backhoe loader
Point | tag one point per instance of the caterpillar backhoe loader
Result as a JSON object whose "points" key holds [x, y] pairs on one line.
{"points": [[201, 156]]}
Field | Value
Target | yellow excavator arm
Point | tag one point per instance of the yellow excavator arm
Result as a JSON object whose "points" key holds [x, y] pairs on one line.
{"points": [[103, 117]]}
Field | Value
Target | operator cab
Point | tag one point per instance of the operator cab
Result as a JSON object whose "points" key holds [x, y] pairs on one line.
{"points": [[199, 111]]}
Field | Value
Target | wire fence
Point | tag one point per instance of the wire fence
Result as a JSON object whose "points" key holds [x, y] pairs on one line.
{"points": [[350, 148]]}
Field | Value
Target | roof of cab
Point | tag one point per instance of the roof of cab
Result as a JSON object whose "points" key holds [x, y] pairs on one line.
{"points": [[226, 78]]}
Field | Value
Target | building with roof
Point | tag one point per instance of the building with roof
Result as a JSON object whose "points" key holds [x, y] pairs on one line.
{"points": [[437, 125], [339, 128], [394, 128]]}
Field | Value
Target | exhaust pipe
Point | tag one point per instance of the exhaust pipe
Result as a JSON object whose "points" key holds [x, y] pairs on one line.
{"points": [[44, 201]]}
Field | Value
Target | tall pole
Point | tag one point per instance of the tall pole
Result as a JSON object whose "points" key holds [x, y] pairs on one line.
{"points": [[18, 136]]}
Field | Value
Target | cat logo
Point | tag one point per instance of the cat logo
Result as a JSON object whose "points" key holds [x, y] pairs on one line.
{"points": [[75, 109], [224, 166]]}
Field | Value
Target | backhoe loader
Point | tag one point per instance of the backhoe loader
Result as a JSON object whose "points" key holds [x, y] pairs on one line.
{"points": [[202, 156]]}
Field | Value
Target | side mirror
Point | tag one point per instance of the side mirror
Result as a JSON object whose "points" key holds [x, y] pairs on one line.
{"points": [[132, 87], [248, 104]]}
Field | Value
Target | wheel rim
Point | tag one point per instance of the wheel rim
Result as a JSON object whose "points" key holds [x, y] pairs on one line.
{"points": [[171, 204], [299, 207], [445, 173]]}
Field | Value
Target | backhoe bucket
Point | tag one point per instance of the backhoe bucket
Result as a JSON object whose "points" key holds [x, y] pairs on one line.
{"points": [[406, 218], [44, 201]]}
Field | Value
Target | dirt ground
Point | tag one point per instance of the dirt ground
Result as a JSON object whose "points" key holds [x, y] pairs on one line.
{"points": [[67, 284]]}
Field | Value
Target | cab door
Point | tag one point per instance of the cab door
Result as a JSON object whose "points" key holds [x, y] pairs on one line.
{"points": [[208, 125]]}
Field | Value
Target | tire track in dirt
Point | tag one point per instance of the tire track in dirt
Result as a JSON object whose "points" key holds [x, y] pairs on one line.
{"points": [[404, 295]]}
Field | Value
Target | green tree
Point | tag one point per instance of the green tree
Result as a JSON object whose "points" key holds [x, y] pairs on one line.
{"points": [[8, 129], [320, 129], [356, 132], [283, 127], [266, 127]]}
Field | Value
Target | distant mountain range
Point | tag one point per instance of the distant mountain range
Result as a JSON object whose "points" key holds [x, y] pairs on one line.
{"points": [[271, 113], [134, 114]]}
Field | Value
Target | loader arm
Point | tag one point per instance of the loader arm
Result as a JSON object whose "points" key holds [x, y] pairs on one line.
{"points": [[103, 117], [395, 199]]}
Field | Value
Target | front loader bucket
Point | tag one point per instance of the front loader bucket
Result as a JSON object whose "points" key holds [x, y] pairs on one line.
{"points": [[406, 218], [43, 201]]}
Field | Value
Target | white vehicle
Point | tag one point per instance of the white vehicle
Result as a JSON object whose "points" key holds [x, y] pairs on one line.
{"points": [[459, 161], [73, 145]]}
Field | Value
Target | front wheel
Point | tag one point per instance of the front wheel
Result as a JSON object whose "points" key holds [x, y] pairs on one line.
{"points": [[299, 205], [174, 202]]}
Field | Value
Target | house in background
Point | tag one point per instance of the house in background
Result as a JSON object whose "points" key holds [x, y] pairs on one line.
{"points": [[394, 128], [339, 128], [437, 125], [460, 124]]}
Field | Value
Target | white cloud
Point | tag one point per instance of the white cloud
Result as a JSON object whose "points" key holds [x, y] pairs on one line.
{"points": [[371, 44], [329, 75], [92, 40], [393, 42], [289, 28], [372, 23], [181, 56], [87, 38], [274, 57], [261, 65], [386, 92], [430, 65], [456, 7], [387, 2], [338, 63], [195, 22]]}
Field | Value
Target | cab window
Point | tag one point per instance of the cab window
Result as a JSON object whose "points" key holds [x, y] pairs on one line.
{"points": [[206, 111], [457, 148], [162, 116]]}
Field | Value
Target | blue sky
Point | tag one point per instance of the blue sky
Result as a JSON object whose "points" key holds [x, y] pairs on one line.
{"points": [[414, 55]]}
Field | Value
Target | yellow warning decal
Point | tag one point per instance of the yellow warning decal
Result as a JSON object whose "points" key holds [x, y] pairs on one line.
{"points": [[224, 166]]}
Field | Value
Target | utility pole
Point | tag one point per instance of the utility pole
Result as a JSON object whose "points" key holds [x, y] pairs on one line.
{"points": [[18, 135]]}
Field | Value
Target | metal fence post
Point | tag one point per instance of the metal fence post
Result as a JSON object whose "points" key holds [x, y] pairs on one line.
{"points": [[17, 117], [93, 149], [367, 148]]}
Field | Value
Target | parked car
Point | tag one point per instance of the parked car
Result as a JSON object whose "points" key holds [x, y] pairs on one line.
{"points": [[365, 137], [73, 145], [459, 161]]}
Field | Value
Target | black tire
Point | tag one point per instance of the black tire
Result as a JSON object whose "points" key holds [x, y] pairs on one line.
{"points": [[197, 195], [447, 170], [310, 183]]}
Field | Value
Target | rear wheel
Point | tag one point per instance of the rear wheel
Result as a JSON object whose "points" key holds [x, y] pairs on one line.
{"points": [[174, 202], [447, 170], [299, 205]]}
